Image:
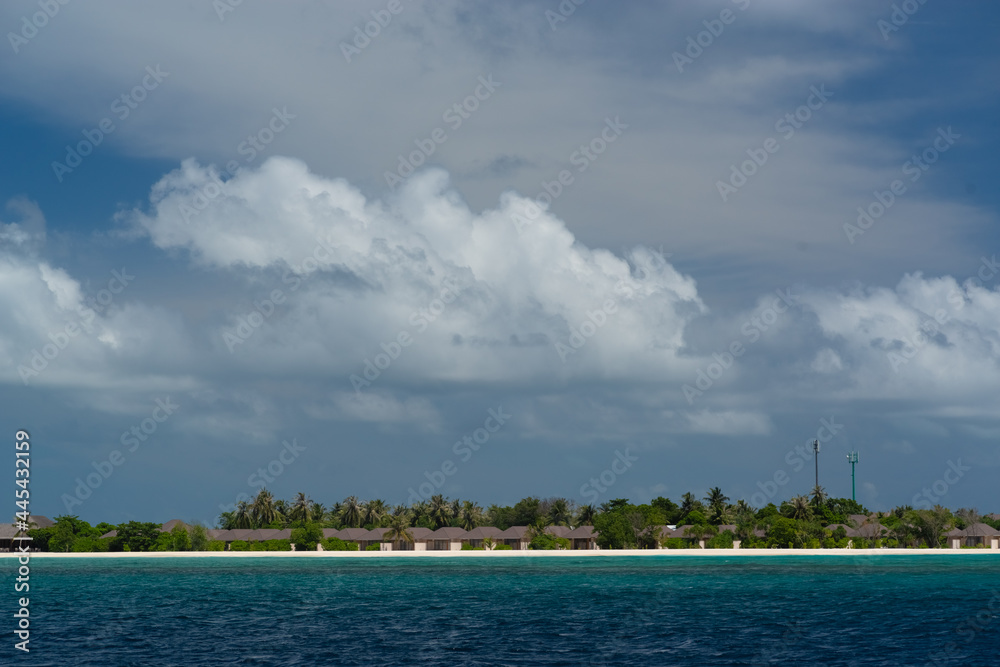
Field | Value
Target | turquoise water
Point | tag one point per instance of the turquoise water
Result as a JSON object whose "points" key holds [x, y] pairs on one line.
{"points": [[896, 610]]}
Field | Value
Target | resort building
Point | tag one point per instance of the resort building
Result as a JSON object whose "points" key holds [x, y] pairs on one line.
{"points": [[8, 531], [475, 537], [977, 535]]}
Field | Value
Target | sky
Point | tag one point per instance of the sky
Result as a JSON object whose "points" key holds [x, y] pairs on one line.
{"points": [[491, 250]]}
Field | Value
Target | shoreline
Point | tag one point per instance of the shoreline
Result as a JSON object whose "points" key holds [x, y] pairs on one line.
{"points": [[580, 553]]}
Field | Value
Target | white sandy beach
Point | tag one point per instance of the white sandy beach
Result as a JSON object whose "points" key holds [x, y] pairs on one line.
{"points": [[581, 553]]}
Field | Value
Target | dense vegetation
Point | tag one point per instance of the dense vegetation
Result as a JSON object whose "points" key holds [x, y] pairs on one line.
{"points": [[800, 522]]}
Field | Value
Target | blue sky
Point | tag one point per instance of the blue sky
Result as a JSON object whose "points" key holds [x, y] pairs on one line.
{"points": [[659, 306]]}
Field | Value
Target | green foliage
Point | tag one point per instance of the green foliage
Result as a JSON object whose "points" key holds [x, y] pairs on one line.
{"points": [[306, 536], [782, 533], [271, 545], [614, 531], [669, 508], [373, 547], [90, 544], [239, 545], [468, 547], [138, 536], [215, 545], [337, 544], [696, 518], [676, 543], [723, 540], [180, 539], [546, 541], [502, 547], [199, 538]]}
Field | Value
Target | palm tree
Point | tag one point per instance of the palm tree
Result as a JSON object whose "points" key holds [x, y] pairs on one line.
{"points": [[716, 500], [439, 511], [489, 543], [263, 510], [373, 512], [819, 496], [302, 509], [702, 532], [560, 512], [243, 516], [350, 512], [470, 515], [399, 530], [227, 520], [536, 529], [585, 515], [798, 508]]}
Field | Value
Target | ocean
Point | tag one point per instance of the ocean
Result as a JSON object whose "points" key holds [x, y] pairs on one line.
{"points": [[781, 610]]}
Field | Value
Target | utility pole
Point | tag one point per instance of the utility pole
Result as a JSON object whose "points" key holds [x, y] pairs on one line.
{"points": [[852, 458], [816, 456]]}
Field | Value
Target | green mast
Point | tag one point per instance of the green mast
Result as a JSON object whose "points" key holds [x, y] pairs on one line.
{"points": [[852, 458]]}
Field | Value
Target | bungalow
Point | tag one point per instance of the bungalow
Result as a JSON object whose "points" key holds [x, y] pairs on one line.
{"points": [[8, 531], [420, 538], [975, 535], [516, 537], [448, 538], [375, 536], [475, 537], [583, 537]]}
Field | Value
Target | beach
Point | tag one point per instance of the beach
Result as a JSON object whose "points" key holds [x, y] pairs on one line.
{"points": [[581, 553]]}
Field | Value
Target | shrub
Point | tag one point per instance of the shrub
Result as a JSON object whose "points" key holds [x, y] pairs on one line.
{"points": [[675, 543], [337, 544], [502, 547], [723, 540], [215, 545], [373, 547], [239, 545]]}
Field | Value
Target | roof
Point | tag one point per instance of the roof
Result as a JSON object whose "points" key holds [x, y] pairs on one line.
{"points": [[169, 525], [449, 533], [482, 532], [353, 533], [420, 533], [581, 532], [558, 531], [514, 533], [974, 530]]}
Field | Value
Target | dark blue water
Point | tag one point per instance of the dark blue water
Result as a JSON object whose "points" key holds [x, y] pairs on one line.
{"points": [[897, 610]]}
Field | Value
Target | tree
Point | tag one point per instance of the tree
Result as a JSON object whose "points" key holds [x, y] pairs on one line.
{"points": [[243, 516], [818, 496], [439, 511], [306, 536], [199, 538], [373, 512], [585, 515], [180, 538], [560, 513], [701, 532], [670, 509], [351, 512], [302, 509], [399, 530], [716, 502], [614, 531], [263, 510], [470, 515], [137, 536], [526, 511], [797, 508]]}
